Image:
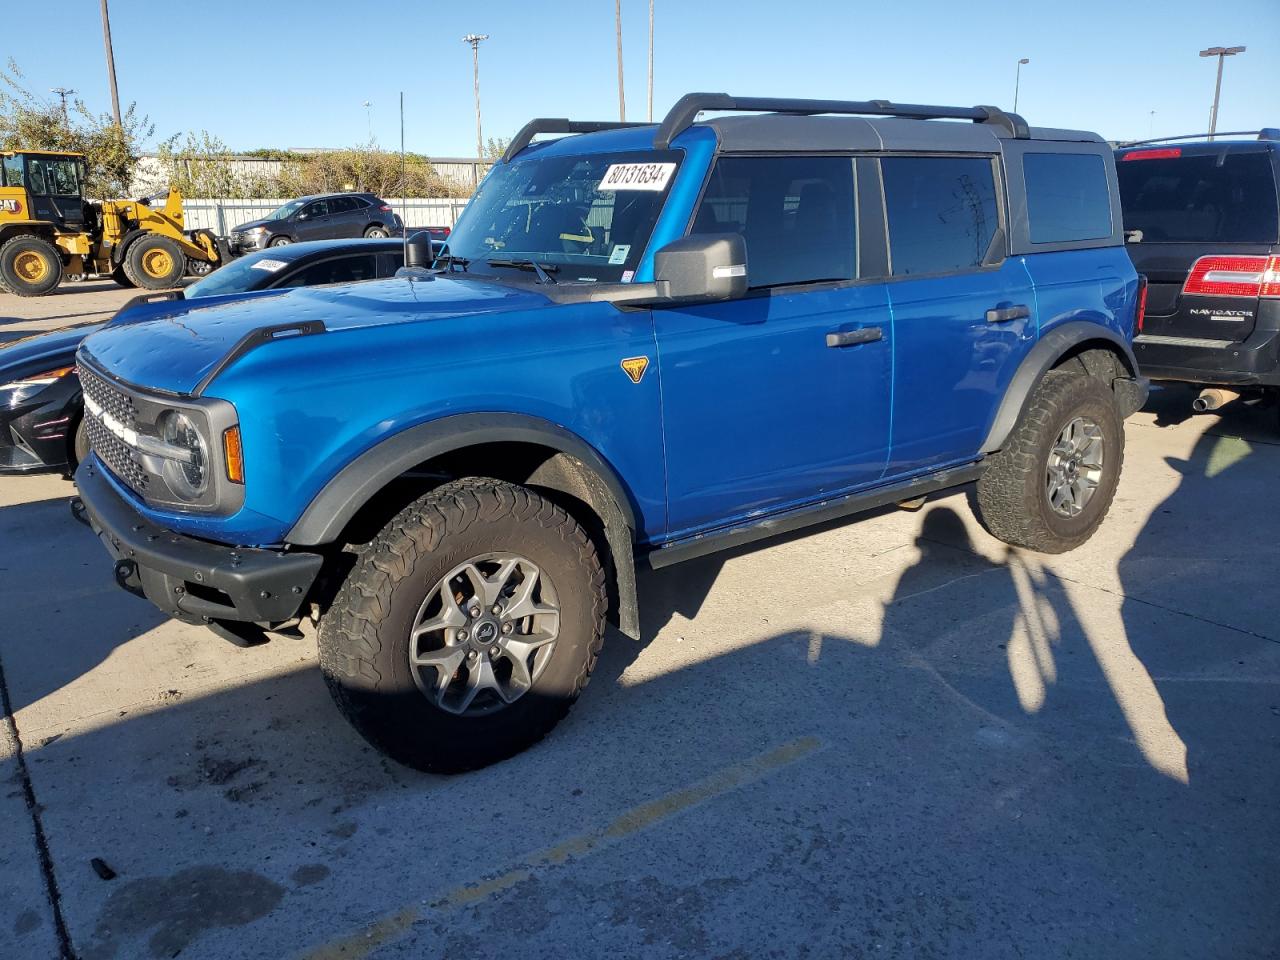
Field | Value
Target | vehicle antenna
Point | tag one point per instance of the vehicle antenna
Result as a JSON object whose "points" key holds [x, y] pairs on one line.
{"points": [[404, 188]]}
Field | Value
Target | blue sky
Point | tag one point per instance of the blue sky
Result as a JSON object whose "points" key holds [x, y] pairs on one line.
{"points": [[293, 73]]}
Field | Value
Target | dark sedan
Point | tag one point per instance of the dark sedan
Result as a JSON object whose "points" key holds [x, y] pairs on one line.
{"points": [[40, 399], [330, 216]]}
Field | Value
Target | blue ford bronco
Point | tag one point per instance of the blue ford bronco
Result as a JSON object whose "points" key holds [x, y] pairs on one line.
{"points": [[641, 344]]}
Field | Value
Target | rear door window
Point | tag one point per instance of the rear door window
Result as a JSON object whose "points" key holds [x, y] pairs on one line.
{"points": [[796, 214], [1067, 197], [1213, 198], [942, 212]]}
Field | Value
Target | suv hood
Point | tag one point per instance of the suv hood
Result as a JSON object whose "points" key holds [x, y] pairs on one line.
{"points": [[251, 224], [174, 352]]}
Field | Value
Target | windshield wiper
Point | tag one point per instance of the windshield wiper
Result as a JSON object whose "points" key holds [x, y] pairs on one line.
{"points": [[449, 260], [543, 270]]}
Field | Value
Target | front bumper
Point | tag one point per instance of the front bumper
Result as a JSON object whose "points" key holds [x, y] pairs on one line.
{"points": [[191, 580]]}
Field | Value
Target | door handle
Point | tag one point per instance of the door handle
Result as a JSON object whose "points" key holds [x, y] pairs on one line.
{"points": [[851, 338], [1004, 314]]}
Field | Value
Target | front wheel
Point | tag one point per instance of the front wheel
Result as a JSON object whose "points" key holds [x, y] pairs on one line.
{"points": [[1050, 487], [154, 262], [467, 628], [279, 242]]}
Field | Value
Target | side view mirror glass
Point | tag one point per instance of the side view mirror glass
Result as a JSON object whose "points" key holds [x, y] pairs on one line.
{"points": [[704, 268]]}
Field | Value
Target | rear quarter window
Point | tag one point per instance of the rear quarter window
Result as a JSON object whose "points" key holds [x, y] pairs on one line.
{"points": [[1067, 197], [1210, 198]]}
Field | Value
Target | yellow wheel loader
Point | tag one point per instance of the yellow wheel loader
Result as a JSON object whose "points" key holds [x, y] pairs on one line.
{"points": [[48, 230]]}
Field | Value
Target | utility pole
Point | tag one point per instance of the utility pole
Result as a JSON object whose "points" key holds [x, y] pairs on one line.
{"points": [[63, 92], [622, 97], [650, 117], [1017, 80], [111, 65], [474, 39], [1221, 53]]}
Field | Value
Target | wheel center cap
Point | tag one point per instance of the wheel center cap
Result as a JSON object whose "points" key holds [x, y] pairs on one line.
{"points": [[486, 631]]}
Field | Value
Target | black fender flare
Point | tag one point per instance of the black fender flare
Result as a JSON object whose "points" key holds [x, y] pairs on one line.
{"points": [[357, 483], [1051, 348]]}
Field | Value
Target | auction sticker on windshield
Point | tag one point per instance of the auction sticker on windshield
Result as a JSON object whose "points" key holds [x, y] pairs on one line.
{"points": [[272, 265], [637, 176]]}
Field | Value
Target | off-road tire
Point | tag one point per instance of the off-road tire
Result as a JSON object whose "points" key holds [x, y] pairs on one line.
{"points": [[364, 634], [1013, 503], [151, 245], [36, 250]]}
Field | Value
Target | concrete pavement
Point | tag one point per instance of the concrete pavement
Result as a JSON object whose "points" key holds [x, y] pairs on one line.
{"points": [[893, 737]]}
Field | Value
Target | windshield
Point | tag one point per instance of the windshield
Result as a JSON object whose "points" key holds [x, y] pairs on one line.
{"points": [[587, 218], [238, 276], [285, 211]]}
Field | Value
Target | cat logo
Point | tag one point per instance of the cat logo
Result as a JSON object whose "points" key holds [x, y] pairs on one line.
{"points": [[634, 367], [10, 206]]}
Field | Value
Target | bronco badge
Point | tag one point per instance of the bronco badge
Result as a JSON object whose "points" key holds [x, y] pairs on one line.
{"points": [[634, 367]]}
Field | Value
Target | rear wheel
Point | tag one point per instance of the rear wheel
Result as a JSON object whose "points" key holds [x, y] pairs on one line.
{"points": [[155, 262], [121, 276], [30, 266], [376, 231], [1050, 487], [467, 628]]}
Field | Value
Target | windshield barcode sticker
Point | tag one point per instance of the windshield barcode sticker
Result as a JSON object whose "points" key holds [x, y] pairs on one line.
{"points": [[637, 176], [267, 264]]}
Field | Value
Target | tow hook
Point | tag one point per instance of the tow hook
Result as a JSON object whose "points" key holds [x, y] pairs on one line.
{"points": [[77, 510], [126, 573]]}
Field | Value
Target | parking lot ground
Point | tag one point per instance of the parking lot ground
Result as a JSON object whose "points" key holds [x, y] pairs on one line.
{"points": [[73, 303], [893, 737]]}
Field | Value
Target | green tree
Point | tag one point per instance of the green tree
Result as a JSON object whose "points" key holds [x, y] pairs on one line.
{"points": [[28, 122]]}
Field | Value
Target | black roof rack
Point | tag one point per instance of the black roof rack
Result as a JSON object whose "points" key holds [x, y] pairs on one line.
{"points": [[686, 110], [557, 125], [1266, 133]]}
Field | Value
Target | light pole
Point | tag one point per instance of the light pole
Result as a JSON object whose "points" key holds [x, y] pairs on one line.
{"points": [[1017, 81], [63, 92], [650, 117], [111, 64], [1221, 53], [622, 99], [368, 113], [474, 39]]}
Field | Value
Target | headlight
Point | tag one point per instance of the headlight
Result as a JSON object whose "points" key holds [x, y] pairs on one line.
{"points": [[12, 394], [188, 478], [256, 230]]}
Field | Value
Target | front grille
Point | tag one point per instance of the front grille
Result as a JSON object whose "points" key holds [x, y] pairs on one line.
{"points": [[120, 458]]}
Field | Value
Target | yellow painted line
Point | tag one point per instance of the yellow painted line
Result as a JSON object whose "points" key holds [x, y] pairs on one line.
{"points": [[362, 943]]}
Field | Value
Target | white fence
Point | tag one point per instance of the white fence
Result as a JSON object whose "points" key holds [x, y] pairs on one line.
{"points": [[221, 215]]}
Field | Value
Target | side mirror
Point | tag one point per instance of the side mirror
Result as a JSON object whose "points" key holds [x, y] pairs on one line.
{"points": [[419, 251], [703, 268]]}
